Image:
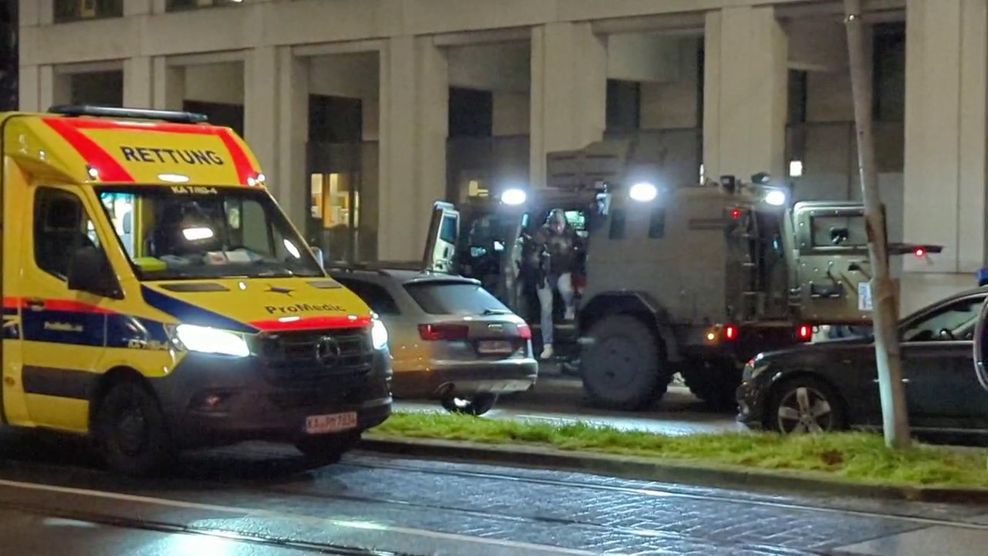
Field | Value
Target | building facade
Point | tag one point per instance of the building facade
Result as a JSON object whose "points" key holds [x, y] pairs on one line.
{"points": [[363, 112]]}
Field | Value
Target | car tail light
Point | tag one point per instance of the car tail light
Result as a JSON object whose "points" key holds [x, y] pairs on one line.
{"points": [[437, 332], [804, 333], [525, 332]]}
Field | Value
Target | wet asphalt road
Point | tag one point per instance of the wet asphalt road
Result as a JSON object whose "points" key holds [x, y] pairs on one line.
{"points": [[260, 499]]}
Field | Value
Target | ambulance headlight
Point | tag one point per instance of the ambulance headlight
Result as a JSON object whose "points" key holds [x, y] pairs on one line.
{"points": [[643, 192], [204, 339], [379, 334]]}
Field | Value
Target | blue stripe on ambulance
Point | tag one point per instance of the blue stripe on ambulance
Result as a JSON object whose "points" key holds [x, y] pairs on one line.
{"points": [[188, 313]]}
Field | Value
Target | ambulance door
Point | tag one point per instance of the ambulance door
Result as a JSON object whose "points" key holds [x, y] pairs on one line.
{"points": [[440, 245], [63, 331]]}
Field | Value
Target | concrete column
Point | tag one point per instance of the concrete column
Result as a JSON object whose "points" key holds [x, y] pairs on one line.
{"points": [[261, 110], [414, 104], [569, 92], [745, 86], [169, 84], [292, 135], [29, 88], [138, 86], [946, 78]]}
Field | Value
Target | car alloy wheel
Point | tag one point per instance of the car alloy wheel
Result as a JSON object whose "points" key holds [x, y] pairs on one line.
{"points": [[805, 409]]}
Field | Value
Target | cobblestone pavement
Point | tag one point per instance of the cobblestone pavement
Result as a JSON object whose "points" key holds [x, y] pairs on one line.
{"points": [[259, 499]]}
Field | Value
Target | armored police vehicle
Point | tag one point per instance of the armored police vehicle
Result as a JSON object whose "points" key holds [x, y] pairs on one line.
{"points": [[690, 279]]}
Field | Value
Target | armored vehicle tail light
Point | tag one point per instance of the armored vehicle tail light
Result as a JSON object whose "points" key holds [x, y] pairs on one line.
{"points": [[736, 213], [722, 333], [920, 252], [439, 332], [804, 333]]}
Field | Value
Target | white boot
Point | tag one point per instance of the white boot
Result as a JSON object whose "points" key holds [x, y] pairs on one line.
{"points": [[547, 353], [570, 313]]}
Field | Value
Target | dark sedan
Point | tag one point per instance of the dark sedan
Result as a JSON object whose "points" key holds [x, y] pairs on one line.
{"points": [[834, 385]]}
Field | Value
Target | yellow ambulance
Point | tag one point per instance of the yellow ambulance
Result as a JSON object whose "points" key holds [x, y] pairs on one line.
{"points": [[156, 298]]}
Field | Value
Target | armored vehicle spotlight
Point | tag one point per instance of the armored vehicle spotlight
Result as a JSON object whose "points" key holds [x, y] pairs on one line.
{"points": [[514, 197], [775, 197], [643, 192]]}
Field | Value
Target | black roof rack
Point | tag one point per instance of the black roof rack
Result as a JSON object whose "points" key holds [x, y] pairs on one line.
{"points": [[136, 113]]}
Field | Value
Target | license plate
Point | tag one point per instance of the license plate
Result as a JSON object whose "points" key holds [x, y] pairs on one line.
{"points": [[490, 347], [322, 424]]}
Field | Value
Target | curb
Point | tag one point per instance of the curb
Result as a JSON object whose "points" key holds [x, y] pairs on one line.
{"points": [[684, 472]]}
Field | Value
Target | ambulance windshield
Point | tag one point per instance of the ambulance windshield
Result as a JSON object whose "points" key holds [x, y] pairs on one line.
{"points": [[185, 232]]}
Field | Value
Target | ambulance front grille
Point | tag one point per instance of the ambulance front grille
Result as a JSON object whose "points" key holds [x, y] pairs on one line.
{"points": [[317, 354]]}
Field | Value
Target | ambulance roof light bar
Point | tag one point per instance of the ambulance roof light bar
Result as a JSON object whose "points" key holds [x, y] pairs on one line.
{"points": [[173, 116]]}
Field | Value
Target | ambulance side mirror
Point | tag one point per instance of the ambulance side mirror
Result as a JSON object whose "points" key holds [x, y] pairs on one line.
{"points": [[90, 271]]}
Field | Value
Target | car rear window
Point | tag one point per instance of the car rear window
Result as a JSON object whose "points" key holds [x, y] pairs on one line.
{"points": [[452, 298], [376, 297]]}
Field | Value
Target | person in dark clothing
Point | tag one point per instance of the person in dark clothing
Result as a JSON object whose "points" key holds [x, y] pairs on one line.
{"points": [[555, 245]]}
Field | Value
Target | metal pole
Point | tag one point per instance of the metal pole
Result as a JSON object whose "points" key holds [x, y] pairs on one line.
{"points": [[893, 395]]}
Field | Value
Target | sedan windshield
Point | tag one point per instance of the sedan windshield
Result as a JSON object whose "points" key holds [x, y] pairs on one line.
{"points": [[205, 232]]}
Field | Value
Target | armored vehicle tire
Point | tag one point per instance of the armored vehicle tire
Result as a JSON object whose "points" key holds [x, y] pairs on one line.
{"points": [[622, 365], [326, 449], [714, 382], [131, 431], [476, 405]]}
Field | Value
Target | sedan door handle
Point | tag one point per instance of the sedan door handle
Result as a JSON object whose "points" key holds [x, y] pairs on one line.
{"points": [[904, 381]]}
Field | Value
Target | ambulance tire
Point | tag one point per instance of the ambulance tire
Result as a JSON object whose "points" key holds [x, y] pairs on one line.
{"points": [[131, 431], [714, 382], [623, 366], [320, 451]]}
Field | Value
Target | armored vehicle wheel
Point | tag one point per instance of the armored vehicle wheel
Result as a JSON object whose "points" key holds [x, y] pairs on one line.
{"points": [[715, 382], [622, 367], [327, 449], [130, 430]]}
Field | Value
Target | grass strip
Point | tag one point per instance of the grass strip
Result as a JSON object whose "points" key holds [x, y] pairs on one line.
{"points": [[850, 457]]}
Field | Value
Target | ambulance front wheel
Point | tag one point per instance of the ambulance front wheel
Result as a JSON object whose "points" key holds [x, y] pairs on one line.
{"points": [[131, 431]]}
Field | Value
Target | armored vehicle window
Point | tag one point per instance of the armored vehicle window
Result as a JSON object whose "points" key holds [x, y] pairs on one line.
{"points": [[617, 224], [455, 298], [61, 227], [839, 231], [657, 223], [375, 296]]}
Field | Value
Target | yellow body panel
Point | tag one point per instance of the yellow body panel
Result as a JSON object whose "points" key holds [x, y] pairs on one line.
{"points": [[38, 152]]}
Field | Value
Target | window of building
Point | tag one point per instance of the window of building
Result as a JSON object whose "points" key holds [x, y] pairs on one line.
{"points": [[889, 60], [228, 115], [657, 223], [623, 105], [471, 113], [61, 227], [334, 119], [102, 88], [618, 222], [178, 5], [797, 96], [74, 10]]}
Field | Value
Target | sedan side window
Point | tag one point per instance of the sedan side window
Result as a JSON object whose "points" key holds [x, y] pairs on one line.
{"points": [[955, 322], [376, 297]]}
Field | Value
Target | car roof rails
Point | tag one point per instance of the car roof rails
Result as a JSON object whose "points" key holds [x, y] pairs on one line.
{"points": [[173, 116]]}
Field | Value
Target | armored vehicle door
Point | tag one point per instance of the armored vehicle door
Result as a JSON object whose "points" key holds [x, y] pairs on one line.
{"points": [[440, 244], [831, 269]]}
